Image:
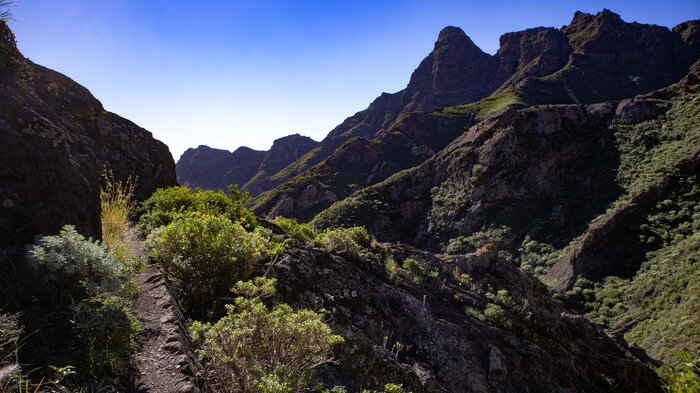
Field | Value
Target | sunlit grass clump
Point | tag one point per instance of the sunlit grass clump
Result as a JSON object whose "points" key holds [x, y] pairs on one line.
{"points": [[119, 234]]}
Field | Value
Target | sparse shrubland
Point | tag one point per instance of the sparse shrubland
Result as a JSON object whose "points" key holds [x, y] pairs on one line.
{"points": [[208, 255], [257, 349]]}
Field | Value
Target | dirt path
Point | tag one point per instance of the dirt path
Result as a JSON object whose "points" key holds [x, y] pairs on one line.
{"points": [[164, 362]]}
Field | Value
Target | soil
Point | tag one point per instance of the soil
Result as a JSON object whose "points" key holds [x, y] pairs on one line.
{"points": [[164, 362]]}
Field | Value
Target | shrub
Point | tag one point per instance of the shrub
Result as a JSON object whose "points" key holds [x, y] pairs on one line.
{"points": [[167, 204], [104, 331], [204, 255], [415, 270], [496, 237], [495, 315], [683, 378], [353, 239], [86, 285], [78, 268], [503, 297], [389, 388], [294, 229], [256, 349]]}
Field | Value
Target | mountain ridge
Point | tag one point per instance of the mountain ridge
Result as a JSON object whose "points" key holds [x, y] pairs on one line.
{"points": [[533, 66]]}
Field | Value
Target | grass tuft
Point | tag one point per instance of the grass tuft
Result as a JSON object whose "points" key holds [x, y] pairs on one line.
{"points": [[119, 234]]}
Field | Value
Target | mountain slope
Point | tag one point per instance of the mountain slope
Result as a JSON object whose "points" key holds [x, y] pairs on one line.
{"points": [[576, 189]]}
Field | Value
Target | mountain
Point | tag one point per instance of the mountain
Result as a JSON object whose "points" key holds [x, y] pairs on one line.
{"points": [[593, 59], [57, 139], [578, 194], [215, 169]]}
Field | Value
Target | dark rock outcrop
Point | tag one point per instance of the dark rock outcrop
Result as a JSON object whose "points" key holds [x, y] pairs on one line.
{"points": [[421, 336], [56, 139]]}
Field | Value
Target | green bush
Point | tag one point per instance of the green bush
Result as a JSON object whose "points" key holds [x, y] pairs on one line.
{"points": [[104, 332], [167, 204], [683, 378], [415, 270], [353, 239], [85, 287], [78, 268], [498, 236], [257, 349], [389, 388], [294, 229], [204, 255], [495, 315]]}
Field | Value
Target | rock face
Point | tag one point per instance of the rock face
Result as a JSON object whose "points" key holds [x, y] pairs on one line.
{"points": [[56, 141], [421, 336], [213, 169]]}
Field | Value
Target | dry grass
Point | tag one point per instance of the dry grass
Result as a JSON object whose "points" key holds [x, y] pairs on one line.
{"points": [[119, 234]]}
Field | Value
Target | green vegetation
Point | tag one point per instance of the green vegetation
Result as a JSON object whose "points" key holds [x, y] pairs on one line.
{"points": [[104, 332], [90, 300], [492, 104], [253, 347], [683, 378], [653, 295], [204, 254], [257, 349], [76, 268], [354, 239], [495, 315], [498, 236], [298, 231], [167, 204], [388, 388]]}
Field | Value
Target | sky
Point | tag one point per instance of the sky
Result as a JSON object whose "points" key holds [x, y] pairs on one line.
{"points": [[243, 73]]}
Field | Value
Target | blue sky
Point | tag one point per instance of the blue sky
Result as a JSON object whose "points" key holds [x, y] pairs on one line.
{"points": [[233, 73]]}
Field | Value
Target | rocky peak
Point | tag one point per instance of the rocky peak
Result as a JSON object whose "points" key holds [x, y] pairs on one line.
{"points": [[690, 32], [532, 52], [204, 154], [456, 70], [8, 46], [285, 150]]}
